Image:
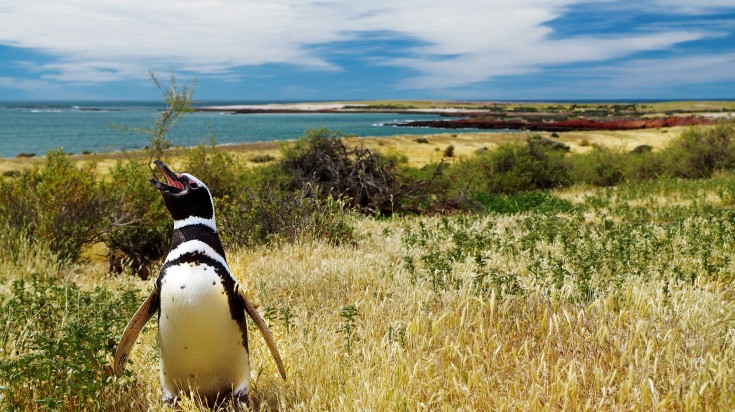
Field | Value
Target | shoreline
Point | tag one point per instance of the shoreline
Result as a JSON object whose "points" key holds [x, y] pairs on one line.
{"points": [[349, 107], [419, 150]]}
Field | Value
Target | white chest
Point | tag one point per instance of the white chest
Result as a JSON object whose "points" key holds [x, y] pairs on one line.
{"points": [[201, 345]]}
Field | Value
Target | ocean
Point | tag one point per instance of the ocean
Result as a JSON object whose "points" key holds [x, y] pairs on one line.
{"points": [[30, 127]]}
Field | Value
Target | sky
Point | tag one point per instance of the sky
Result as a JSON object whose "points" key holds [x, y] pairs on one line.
{"points": [[379, 49]]}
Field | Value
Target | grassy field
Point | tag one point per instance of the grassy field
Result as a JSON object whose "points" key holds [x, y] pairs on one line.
{"points": [[621, 299], [584, 298]]}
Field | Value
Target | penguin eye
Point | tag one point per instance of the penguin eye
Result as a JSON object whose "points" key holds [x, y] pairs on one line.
{"points": [[193, 185]]}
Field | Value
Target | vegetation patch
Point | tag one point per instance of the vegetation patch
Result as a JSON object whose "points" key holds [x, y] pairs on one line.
{"points": [[56, 340]]}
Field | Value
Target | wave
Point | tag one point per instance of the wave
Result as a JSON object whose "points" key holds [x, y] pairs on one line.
{"points": [[47, 111]]}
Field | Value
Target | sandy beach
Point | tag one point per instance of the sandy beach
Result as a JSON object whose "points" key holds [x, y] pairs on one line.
{"points": [[350, 107]]}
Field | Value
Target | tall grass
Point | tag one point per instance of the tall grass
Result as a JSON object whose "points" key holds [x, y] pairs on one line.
{"points": [[595, 307], [614, 295]]}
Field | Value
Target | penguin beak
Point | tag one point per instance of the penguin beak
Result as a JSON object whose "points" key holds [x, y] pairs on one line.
{"points": [[173, 183]]}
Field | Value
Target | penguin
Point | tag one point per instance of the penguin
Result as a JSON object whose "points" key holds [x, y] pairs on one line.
{"points": [[202, 329]]}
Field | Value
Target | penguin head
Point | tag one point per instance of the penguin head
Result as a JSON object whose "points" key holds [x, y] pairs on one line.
{"points": [[185, 196]]}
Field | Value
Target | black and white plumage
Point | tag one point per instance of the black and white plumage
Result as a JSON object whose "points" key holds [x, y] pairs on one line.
{"points": [[201, 308]]}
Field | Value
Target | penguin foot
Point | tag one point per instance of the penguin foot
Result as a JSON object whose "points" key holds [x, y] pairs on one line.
{"points": [[170, 401], [242, 399]]}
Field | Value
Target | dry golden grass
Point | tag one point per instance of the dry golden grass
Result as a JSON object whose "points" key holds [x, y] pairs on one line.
{"points": [[654, 345]]}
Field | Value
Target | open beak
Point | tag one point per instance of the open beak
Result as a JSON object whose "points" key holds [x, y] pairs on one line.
{"points": [[173, 183]]}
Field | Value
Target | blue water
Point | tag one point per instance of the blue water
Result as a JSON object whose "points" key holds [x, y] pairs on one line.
{"points": [[35, 127]]}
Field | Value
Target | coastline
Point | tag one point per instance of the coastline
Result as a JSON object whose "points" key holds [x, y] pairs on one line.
{"points": [[336, 107], [412, 147], [464, 141]]}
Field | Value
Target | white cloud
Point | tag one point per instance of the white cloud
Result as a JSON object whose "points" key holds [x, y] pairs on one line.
{"points": [[462, 42]]}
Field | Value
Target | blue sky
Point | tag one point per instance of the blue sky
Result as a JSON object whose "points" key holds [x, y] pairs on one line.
{"points": [[379, 49]]}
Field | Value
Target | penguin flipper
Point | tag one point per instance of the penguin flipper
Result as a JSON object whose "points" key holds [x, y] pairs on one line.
{"points": [[132, 330], [250, 309]]}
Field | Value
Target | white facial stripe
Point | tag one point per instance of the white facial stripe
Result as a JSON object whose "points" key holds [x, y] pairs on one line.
{"points": [[196, 246], [194, 179], [195, 220]]}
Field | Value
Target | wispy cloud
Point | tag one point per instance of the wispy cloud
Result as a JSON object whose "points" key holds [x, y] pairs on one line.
{"points": [[653, 74], [451, 43]]}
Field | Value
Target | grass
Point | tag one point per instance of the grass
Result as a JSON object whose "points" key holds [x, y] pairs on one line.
{"points": [[624, 301], [582, 298]]}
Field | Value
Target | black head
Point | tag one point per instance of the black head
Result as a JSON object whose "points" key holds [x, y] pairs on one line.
{"points": [[185, 196]]}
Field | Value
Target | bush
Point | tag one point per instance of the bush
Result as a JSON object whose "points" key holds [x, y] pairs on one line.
{"points": [[265, 215], [265, 158], [513, 168], [57, 203], [699, 151], [216, 168], [139, 230], [369, 182], [600, 167], [644, 165], [449, 151], [59, 337]]}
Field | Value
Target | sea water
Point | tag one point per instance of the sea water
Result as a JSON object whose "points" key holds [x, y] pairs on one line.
{"points": [[95, 127]]}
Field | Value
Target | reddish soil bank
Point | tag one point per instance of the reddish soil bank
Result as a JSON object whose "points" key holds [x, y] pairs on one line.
{"points": [[561, 125]]}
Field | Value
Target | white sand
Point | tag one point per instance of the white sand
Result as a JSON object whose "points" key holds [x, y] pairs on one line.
{"points": [[340, 107]]}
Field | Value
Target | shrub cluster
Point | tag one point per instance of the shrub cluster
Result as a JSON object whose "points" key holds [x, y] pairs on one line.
{"points": [[308, 193], [138, 231], [264, 214], [370, 183], [70, 208], [58, 338], [542, 164], [513, 168], [54, 202]]}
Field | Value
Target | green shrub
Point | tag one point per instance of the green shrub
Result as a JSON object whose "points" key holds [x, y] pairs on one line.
{"points": [[215, 167], [56, 341], [265, 158], [139, 229], [644, 165], [699, 151], [435, 250], [264, 215], [55, 202], [601, 166], [513, 168]]}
